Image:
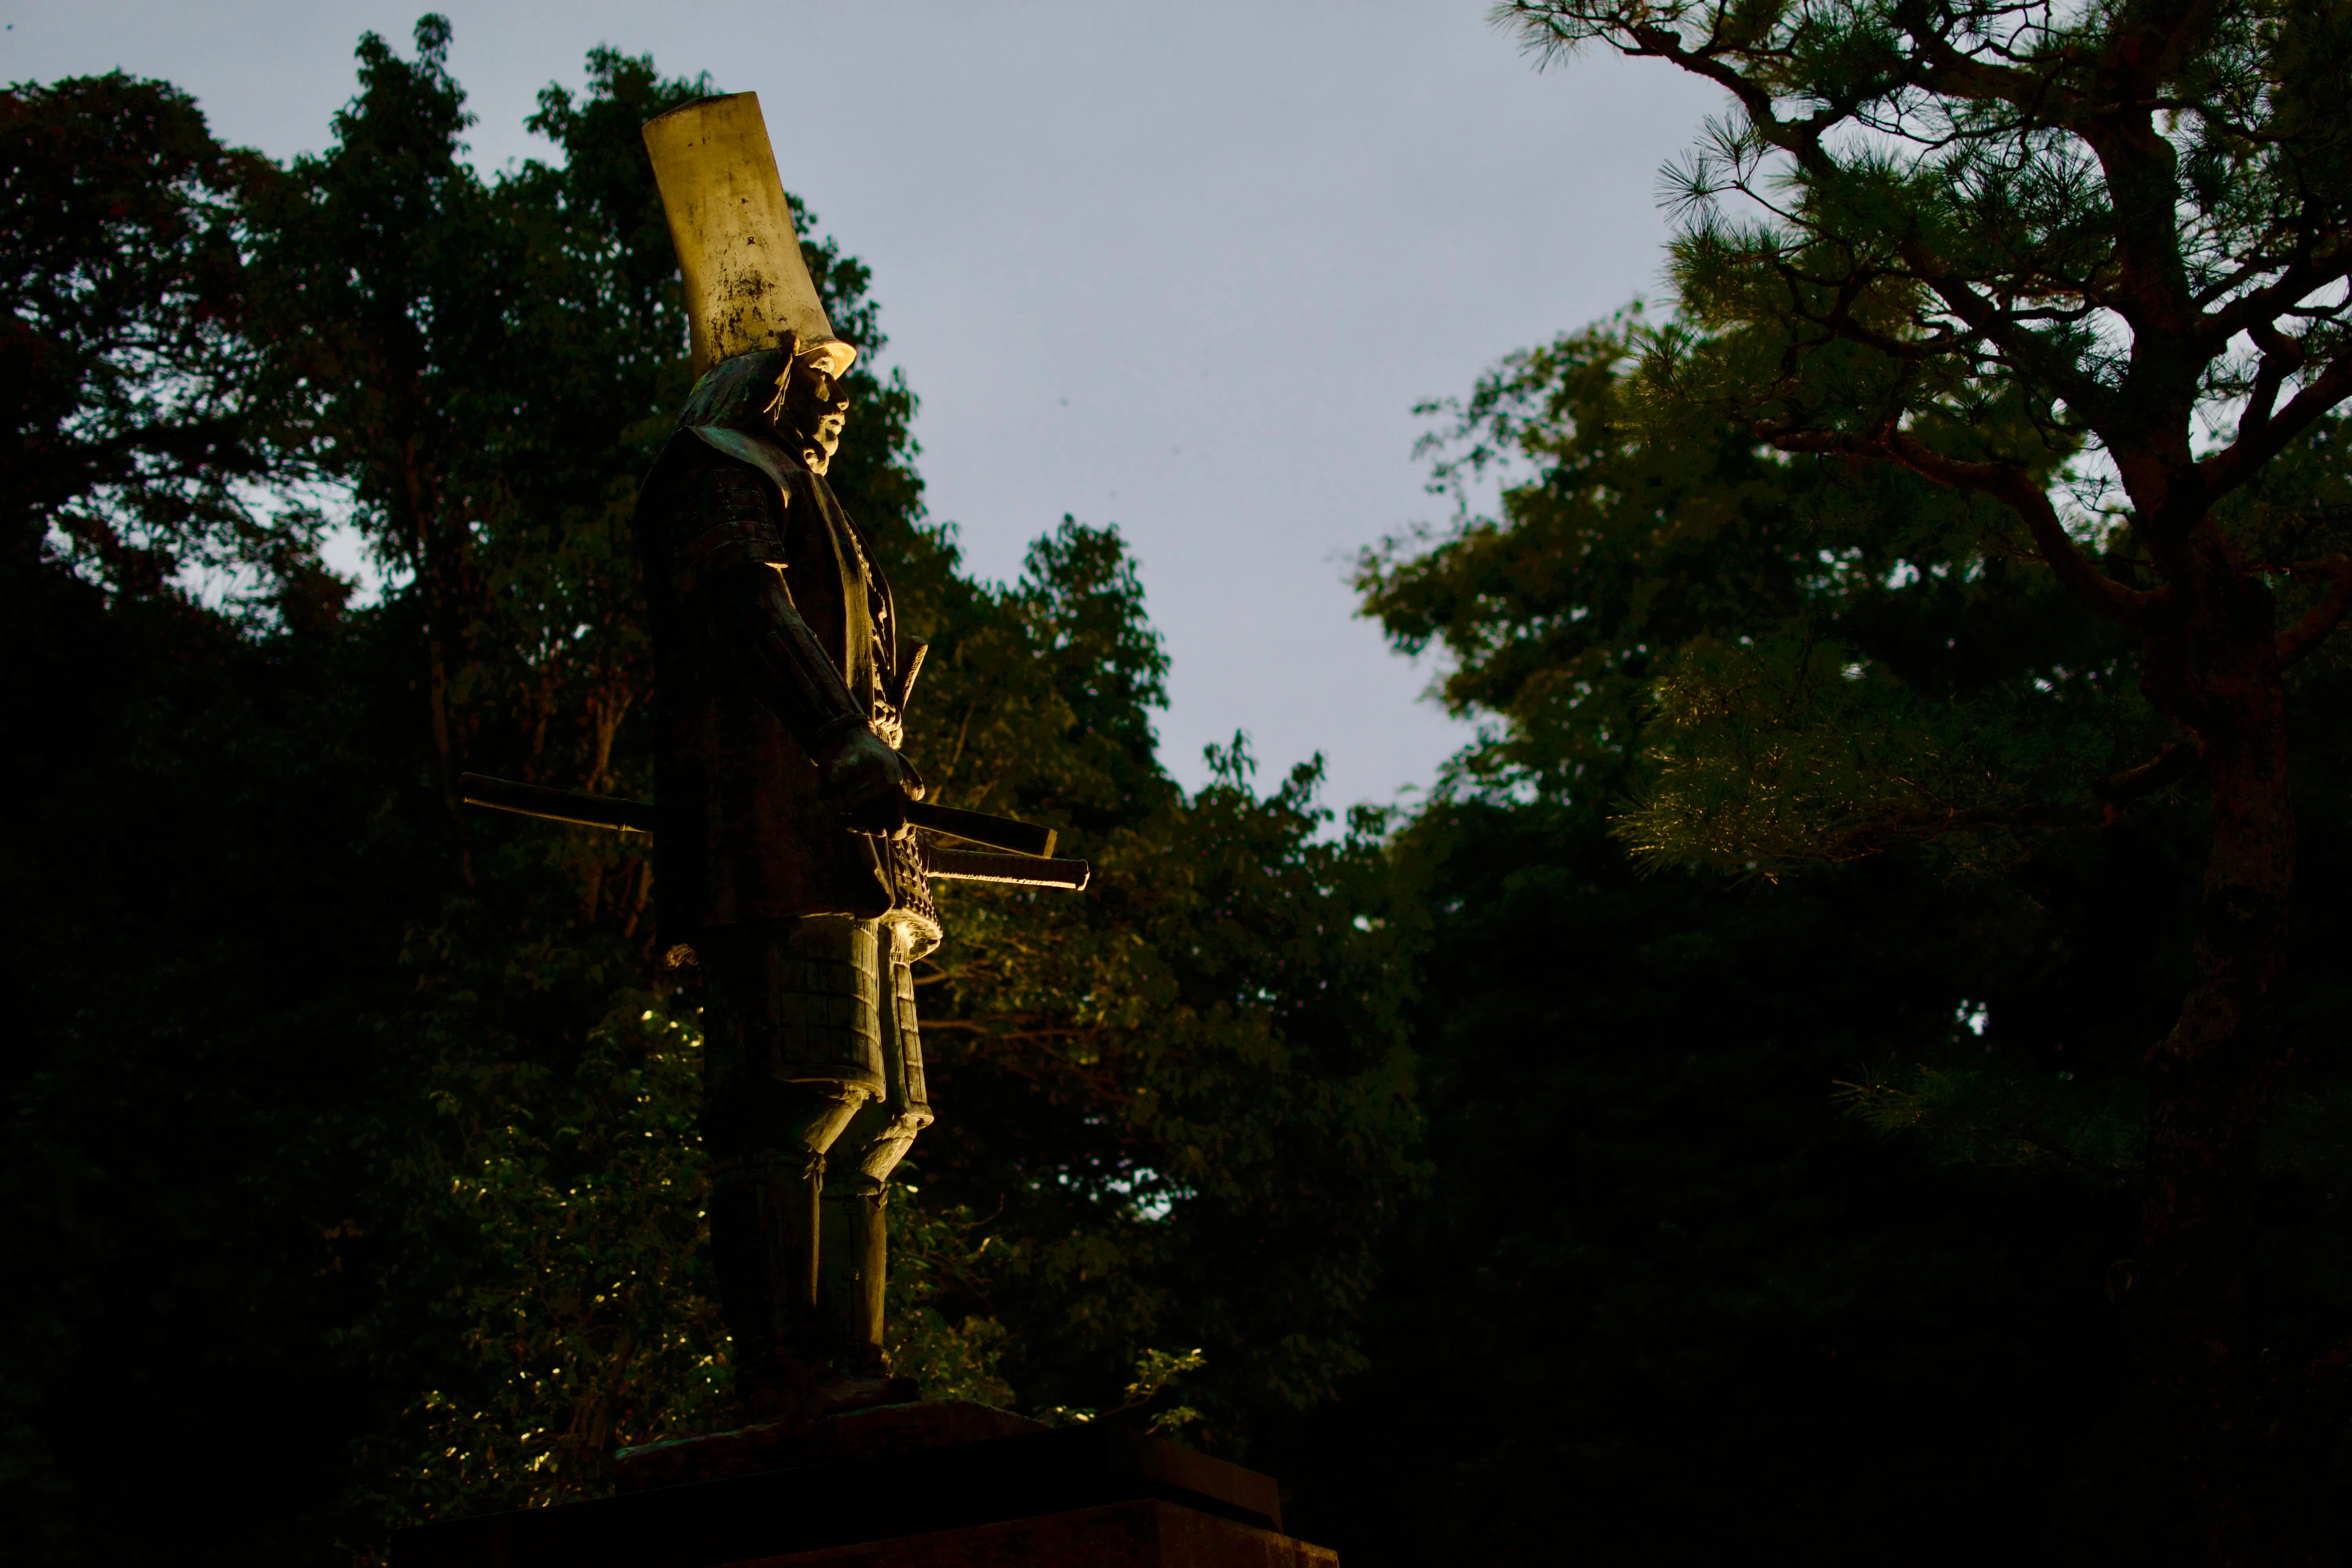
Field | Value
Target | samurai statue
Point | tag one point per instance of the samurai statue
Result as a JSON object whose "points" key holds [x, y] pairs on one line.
{"points": [[786, 874]]}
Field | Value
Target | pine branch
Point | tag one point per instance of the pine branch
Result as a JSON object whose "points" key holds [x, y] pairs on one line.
{"points": [[1802, 139], [1953, 74], [2141, 171], [2004, 482], [2166, 767], [2313, 628], [2009, 335], [1930, 827], [2226, 470], [2281, 357], [2301, 279]]}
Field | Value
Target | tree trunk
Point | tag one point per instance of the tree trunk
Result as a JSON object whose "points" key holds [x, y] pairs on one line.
{"points": [[2216, 1077]]}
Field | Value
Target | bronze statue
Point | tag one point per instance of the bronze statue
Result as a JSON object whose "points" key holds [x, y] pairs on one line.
{"points": [[788, 875], [790, 878], [786, 871]]}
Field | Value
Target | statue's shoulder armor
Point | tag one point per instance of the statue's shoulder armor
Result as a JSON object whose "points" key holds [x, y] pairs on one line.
{"points": [[715, 499], [748, 448], [691, 447]]}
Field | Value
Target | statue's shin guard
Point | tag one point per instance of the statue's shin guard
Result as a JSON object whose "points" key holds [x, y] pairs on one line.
{"points": [[853, 1266], [764, 1211], [763, 1249], [792, 1049], [851, 1276]]}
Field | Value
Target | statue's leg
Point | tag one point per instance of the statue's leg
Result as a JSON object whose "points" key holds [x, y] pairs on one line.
{"points": [[791, 1050], [856, 1227]]}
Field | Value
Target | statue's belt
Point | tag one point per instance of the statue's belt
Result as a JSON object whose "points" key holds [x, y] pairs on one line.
{"points": [[1030, 864]]}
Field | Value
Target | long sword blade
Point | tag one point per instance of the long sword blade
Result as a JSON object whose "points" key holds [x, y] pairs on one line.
{"points": [[557, 804], [637, 815], [1020, 870]]}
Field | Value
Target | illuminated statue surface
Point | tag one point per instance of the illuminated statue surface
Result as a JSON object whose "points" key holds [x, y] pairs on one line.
{"points": [[785, 869], [793, 896]]}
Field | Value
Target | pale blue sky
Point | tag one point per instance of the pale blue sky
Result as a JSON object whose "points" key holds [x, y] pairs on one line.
{"points": [[1186, 269]]}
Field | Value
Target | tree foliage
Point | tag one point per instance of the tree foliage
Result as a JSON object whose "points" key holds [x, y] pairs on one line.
{"points": [[125, 377], [353, 1137], [1633, 1076], [1770, 661], [2083, 268]]}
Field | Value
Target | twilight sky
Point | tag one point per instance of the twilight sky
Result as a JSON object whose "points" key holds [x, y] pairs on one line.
{"points": [[1182, 268]]}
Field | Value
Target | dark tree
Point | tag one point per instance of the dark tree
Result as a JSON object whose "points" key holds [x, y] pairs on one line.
{"points": [[2087, 267], [351, 1148], [125, 374]]}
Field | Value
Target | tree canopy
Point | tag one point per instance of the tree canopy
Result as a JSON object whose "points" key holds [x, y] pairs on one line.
{"points": [[353, 1136], [1983, 485], [1653, 1086], [1845, 1069]]}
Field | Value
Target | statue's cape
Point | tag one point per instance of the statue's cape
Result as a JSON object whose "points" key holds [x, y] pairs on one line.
{"points": [[744, 447], [744, 837], [864, 587]]}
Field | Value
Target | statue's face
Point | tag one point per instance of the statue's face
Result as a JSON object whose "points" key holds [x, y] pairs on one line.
{"points": [[810, 415]]}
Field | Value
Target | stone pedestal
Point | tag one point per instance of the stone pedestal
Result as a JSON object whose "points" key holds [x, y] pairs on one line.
{"points": [[916, 1486], [1119, 1535]]}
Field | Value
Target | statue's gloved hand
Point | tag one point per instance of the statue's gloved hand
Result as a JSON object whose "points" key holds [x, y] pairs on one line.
{"points": [[868, 783]]}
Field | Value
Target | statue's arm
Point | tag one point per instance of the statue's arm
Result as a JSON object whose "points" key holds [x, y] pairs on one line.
{"points": [[788, 669], [733, 579]]}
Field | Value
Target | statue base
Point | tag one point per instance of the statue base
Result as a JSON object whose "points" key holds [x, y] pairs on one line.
{"points": [[1119, 1535], [872, 1431], [944, 1484]]}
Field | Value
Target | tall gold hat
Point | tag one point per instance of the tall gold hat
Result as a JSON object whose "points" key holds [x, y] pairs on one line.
{"points": [[745, 279]]}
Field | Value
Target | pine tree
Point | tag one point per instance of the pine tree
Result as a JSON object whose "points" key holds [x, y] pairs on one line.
{"points": [[2082, 272]]}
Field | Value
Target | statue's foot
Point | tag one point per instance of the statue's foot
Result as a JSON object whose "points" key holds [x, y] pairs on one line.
{"points": [[797, 1392], [838, 1395]]}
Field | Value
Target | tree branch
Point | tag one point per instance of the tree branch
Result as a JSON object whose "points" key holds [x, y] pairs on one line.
{"points": [[1800, 141], [2313, 628], [2004, 482], [2166, 767], [1931, 827], [2004, 332], [1667, 45], [1952, 72], [2301, 279], [2140, 167], [2232, 466], [2281, 357], [1841, 323]]}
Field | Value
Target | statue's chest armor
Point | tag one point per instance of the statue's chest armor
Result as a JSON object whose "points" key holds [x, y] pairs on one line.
{"points": [[834, 584]]}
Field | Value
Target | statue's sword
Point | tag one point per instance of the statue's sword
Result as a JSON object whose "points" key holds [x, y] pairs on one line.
{"points": [[1031, 863]]}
